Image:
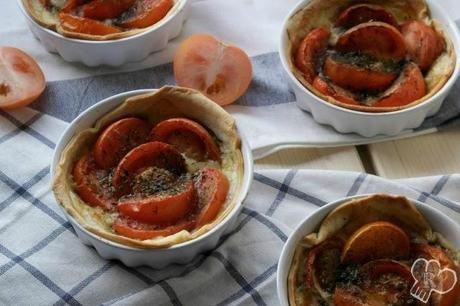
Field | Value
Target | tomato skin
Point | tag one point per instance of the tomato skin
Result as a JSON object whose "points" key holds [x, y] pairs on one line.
{"points": [[105, 9], [333, 91], [118, 139], [150, 154], [188, 137], [85, 184], [212, 188], [71, 5], [78, 24], [220, 71], [431, 252], [132, 229], [311, 49], [160, 209], [361, 13], [145, 13], [21, 79]]}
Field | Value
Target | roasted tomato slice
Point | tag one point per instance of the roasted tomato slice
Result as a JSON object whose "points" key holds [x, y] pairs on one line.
{"points": [[118, 139], [83, 25], [71, 5], [377, 39], [366, 243], [21, 79], [105, 9], [220, 71], [151, 154], [424, 45], [212, 188], [380, 282], [163, 199], [361, 13], [189, 137], [92, 184], [356, 78], [145, 13], [322, 263], [328, 89], [311, 50], [429, 252], [137, 230], [409, 87]]}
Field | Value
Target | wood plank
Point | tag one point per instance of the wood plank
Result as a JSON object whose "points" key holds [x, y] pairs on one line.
{"points": [[346, 159], [426, 155]]}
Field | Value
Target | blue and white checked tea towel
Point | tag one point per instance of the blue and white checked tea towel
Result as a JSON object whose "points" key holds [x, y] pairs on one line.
{"points": [[42, 262], [267, 114]]}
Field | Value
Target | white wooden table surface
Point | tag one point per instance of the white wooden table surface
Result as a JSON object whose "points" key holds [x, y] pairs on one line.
{"points": [[427, 155]]}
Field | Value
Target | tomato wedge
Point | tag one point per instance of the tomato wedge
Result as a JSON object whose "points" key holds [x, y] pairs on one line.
{"points": [[78, 24], [137, 230], [361, 13], [145, 13], [377, 39], [220, 71], [212, 188], [366, 243], [356, 78], [162, 208], [333, 91], [21, 79], [424, 45], [151, 154], [311, 49], [92, 184], [189, 137], [431, 252], [105, 9], [118, 139]]}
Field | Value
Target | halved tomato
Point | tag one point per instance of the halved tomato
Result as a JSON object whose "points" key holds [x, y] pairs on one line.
{"points": [[188, 136], [366, 243], [105, 9], [145, 13], [118, 139], [147, 155], [409, 87], [212, 188], [428, 252], [377, 39], [311, 50], [361, 13], [133, 229], [161, 208], [424, 45], [334, 91], [78, 24], [92, 184], [221, 71], [21, 79], [356, 78]]}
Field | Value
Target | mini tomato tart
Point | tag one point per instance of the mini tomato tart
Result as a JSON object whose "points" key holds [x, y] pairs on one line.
{"points": [[99, 19], [370, 56], [160, 169], [373, 251]]}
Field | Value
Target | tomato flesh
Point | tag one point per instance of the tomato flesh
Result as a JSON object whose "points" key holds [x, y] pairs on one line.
{"points": [[333, 91], [118, 139], [92, 184], [220, 71], [361, 13], [21, 79], [137, 230], [212, 188], [151, 154], [188, 137], [145, 13], [105, 9], [78, 24]]}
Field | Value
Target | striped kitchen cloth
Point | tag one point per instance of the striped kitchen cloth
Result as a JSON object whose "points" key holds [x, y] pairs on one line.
{"points": [[267, 114], [42, 262]]}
